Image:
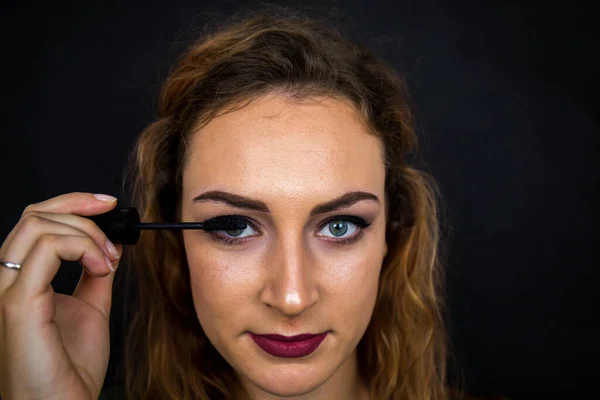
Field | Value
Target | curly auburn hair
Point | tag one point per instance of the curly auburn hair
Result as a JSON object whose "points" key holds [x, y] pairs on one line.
{"points": [[403, 353]]}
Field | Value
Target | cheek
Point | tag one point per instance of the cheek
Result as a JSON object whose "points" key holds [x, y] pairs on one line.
{"points": [[220, 286], [352, 281]]}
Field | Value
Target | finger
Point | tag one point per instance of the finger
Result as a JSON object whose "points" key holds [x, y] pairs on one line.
{"points": [[43, 262], [78, 203], [97, 291], [37, 224], [41, 223]]}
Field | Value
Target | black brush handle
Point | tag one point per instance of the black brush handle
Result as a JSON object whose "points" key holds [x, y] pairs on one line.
{"points": [[119, 225]]}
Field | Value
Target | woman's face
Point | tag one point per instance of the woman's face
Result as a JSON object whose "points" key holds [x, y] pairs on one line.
{"points": [[302, 266]]}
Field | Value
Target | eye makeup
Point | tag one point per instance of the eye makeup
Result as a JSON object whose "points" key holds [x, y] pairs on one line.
{"points": [[218, 235]]}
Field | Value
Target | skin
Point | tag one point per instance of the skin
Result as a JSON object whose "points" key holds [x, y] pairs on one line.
{"points": [[287, 276]]}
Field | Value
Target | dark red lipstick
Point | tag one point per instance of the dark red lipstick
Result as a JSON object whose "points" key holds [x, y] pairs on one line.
{"points": [[288, 346]]}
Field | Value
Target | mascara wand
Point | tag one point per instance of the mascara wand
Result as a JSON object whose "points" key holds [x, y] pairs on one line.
{"points": [[123, 225]]}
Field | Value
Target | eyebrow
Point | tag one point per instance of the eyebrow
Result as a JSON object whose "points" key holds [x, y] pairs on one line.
{"points": [[247, 203]]}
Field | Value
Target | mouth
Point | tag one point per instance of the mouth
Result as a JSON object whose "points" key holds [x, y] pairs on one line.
{"points": [[289, 346]]}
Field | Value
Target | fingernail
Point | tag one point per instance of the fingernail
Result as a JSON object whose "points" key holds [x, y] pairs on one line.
{"points": [[105, 197], [109, 264], [112, 249]]}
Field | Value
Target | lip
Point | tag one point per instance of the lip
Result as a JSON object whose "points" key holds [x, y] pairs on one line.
{"points": [[289, 346]]}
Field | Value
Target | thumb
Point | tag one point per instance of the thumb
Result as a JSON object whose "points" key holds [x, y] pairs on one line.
{"points": [[97, 290]]}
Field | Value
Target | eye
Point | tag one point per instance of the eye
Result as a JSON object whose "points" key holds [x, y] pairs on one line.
{"points": [[235, 235], [343, 227]]}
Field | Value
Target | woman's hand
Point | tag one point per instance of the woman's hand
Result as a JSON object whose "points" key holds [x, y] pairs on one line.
{"points": [[54, 346]]}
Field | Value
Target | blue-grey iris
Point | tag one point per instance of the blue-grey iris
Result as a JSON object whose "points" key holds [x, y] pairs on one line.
{"points": [[339, 227]]}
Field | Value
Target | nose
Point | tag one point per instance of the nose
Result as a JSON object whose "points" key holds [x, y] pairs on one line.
{"points": [[291, 288]]}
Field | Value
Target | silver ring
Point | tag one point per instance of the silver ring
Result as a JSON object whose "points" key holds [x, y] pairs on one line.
{"points": [[10, 265]]}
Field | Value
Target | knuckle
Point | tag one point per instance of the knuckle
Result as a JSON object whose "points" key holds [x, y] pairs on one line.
{"points": [[29, 209], [97, 235], [48, 240], [32, 222], [87, 243], [90, 226]]}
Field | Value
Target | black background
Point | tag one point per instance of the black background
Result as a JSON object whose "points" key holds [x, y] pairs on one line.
{"points": [[508, 120]]}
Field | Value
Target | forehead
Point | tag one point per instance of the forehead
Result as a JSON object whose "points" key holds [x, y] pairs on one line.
{"points": [[285, 145]]}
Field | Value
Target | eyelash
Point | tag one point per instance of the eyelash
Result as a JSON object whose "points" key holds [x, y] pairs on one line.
{"points": [[358, 221]]}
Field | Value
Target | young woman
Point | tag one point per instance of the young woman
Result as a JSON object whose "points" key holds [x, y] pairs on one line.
{"points": [[333, 291]]}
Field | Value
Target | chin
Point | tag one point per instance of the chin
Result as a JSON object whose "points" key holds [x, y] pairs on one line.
{"points": [[288, 380]]}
